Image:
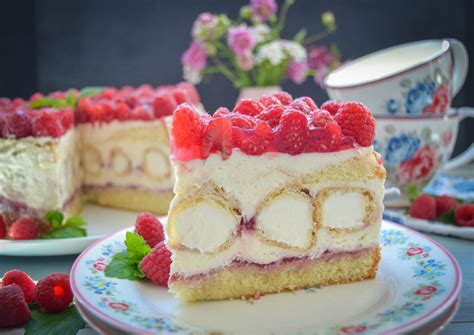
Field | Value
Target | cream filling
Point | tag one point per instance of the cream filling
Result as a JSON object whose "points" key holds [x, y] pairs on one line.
{"points": [[344, 210]]}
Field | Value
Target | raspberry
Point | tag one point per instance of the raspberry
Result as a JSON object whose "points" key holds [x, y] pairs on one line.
{"points": [[332, 106], [292, 133], [66, 116], [464, 215], [254, 141], [180, 96], [357, 121], [17, 124], [325, 138], [14, 311], [156, 265], [37, 96], [320, 118], [217, 136], [191, 91], [241, 121], [150, 228], [24, 229], [3, 228], [309, 102], [272, 115], [20, 278], [220, 112], [123, 112], [268, 100], [445, 203], [141, 112], [53, 293], [107, 93], [284, 98], [164, 105], [186, 128], [248, 107], [300, 105], [424, 207], [47, 123]]}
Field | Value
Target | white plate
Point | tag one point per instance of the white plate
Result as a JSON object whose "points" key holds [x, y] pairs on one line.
{"points": [[418, 281], [101, 221]]}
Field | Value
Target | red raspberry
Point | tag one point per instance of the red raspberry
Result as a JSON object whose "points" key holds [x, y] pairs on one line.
{"points": [[150, 228], [445, 203], [3, 228], [141, 112], [156, 265], [37, 96], [66, 116], [300, 105], [191, 91], [164, 105], [181, 96], [464, 215], [248, 107], [254, 141], [424, 207], [332, 106], [320, 118], [123, 112], [268, 100], [108, 93], [21, 279], [309, 102], [17, 124], [272, 115], [357, 121], [292, 134], [47, 123], [241, 121], [17, 102], [217, 136], [24, 229], [325, 138], [284, 98], [186, 128], [145, 90], [14, 311], [53, 293], [220, 112]]}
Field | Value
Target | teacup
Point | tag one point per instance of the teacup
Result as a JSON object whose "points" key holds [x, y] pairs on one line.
{"points": [[406, 80], [415, 148]]}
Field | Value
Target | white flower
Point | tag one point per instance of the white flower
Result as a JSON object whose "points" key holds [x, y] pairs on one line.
{"points": [[295, 50], [192, 75], [277, 51], [261, 32]]}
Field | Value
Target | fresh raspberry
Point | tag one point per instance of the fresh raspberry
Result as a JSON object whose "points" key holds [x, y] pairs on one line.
{"points": [[464, 215], [268, 100], [292, 134], [220, 112], [424, 207], [150, 228], [186, 127], [141, 112], [17, 102], [37, 96], [254, 141], [21, 279], [3, 228], [180, 96], [191, 91], [164, 105], [123, 112], [53, 293], [66, 117], [284, 98], [324, 138], [357, 121], [300, 105], [145, 90], [17, 124], [320, 117], [217, 136], [445, 203], [108, 93], [241, 120], [309, 102], [24, 229], [332, 106], [272, 115], [248, 107], [14, 311], [156, 265], [47, 123]]}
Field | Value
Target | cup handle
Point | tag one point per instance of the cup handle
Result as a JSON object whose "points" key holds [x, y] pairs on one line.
{"points": [[460, 65], [468, 155]]}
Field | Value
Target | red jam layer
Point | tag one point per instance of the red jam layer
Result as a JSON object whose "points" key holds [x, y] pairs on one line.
{"points": [[275, 123]]}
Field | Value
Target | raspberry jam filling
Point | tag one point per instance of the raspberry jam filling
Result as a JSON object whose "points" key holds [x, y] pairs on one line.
{"points": [[275, 123]]}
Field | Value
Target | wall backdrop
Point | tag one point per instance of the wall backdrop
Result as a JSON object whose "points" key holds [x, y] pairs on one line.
{"points": [[54, 44]]}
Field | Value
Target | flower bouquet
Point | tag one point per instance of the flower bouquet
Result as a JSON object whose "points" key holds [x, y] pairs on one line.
{"points": [[250, 51]]}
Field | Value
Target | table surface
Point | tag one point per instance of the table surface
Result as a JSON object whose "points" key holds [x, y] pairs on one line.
{"points": [[463, 251]]}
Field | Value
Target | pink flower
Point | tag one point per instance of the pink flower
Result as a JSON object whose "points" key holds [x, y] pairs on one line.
{"points": [[353, 329], [204, 27], [262, 10], [296, 71], [240, 39], [119, 306], [319, 57], [420, 167], [320, 74], [412, 251], [426, 290], [245, 61], [195, 57]]}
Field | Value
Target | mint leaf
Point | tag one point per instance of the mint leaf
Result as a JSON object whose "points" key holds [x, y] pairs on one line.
{"points": [[413, 192], [73, 227], [120, 267], [67, 322], [75, 221], [66, 232], [89, 92], [54, 219], [448, 217], [136, 246], [44, 102]]}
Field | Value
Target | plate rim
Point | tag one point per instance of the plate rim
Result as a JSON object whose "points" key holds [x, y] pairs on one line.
{"points": [[442, 306]]}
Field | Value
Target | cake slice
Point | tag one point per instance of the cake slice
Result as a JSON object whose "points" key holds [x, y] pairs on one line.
{"points": [[276, 195]]}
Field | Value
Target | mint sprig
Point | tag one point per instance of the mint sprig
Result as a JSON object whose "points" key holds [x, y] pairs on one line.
{"points": [[126, 264], [448, 217], [69, 101], [73, 227], [67, 322]]}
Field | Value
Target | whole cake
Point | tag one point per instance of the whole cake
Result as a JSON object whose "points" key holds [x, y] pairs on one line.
{"points": [[276, 195], [111, 148]]}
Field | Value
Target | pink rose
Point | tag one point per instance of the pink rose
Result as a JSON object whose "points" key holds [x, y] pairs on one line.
{"points": [[319, 57], [205, 26], [240, 39], [426, 290], [420, 167], [353, 329], [119, 306], [414, 251], [440, 101], [262, 10], [195, 57], [245, 61], [296, 71]]}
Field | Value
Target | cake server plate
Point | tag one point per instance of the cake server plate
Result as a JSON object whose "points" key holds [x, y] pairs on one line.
{"points": [[418, 282]]}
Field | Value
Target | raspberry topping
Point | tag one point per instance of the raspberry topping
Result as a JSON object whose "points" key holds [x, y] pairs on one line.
{"points": [[253, 141], [445, 203], [248, 107], [217, 137], [186, 130], [156, 265], [54, 293], [150, 228], [332, 106], [17, 124], [272, 115], [14, 311], [284, 98], [20, 278], [324, 138], [357, 121], [464, 215], [3, 228], [24, 229], [292, 133], [424, 207]]}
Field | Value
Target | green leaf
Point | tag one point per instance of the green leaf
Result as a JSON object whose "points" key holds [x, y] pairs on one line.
{"points": [[121, 268], [44, 102], [300, 36], [448, 217], [89, 92], [66, 232], [136, 246], [54, 219], [75, 221], [70, 99], [67, 322], [413, 192]]}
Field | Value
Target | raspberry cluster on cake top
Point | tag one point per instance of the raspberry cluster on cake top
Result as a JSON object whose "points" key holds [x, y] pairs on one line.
{"points": [[274, 123]]}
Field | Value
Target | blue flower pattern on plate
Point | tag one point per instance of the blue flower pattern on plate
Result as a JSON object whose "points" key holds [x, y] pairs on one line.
{"points": [[393, 106], [420, 97], [401, 148]]}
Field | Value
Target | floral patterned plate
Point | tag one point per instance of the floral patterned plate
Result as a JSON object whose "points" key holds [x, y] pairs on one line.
{"points": [[417, 282]]}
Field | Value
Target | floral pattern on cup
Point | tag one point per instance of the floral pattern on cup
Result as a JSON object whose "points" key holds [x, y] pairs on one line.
{"points": [[420, 167], [400, 149]]}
